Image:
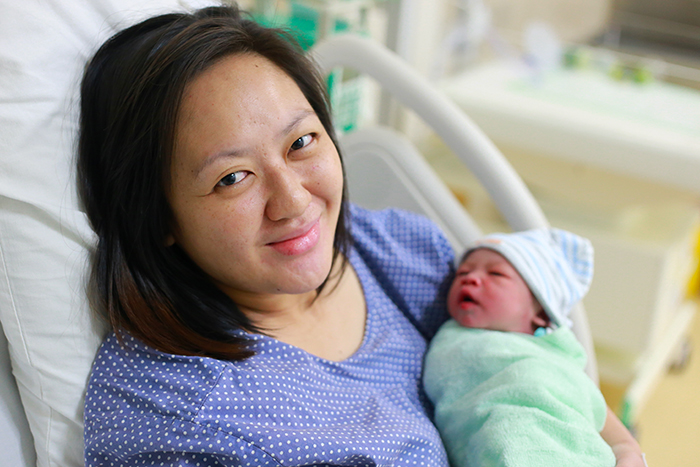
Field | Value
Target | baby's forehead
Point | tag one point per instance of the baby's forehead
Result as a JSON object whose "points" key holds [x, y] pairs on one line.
{"points": [[488, 258], [483, 255]]}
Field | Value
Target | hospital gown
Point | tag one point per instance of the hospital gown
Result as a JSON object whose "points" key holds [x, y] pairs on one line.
{"points": [[284, 406]]}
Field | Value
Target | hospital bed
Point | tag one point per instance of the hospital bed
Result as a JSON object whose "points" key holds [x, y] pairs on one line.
{"points": [[49, 336]]}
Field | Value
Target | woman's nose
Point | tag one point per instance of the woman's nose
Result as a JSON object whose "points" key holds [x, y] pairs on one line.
{"points": [[288, 197]]}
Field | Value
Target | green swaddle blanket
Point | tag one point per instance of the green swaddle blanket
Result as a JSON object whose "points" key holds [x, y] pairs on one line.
{"points": [[511, 399]]}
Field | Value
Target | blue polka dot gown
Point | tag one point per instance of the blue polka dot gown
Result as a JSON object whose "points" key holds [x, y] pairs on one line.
{"points": [[284, 406]]}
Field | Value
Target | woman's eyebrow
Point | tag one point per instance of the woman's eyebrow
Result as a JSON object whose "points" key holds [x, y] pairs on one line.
{"points": [[300, 116], [228, 154], [233, 153]]}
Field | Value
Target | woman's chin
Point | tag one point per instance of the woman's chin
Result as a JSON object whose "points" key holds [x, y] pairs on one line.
{"points": [[304, 279]]}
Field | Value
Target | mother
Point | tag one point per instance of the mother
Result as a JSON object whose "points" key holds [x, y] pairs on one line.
{"points": [[252, 326]]}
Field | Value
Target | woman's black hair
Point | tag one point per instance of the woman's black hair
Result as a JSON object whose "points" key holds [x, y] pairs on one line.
{"points": [[131, 94]]}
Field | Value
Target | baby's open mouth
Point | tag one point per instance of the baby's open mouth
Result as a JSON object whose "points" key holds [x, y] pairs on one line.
{"points": [[466, 298]]}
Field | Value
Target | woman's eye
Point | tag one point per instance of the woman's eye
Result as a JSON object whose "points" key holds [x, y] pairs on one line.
{"points": [[301, 142], [232, 179]]}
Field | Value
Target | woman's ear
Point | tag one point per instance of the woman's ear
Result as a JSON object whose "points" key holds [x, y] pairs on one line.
{"points": [[169, 240]]}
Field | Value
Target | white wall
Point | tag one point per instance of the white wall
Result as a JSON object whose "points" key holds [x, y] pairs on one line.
{"points": [[431, 20], [573, 20]]}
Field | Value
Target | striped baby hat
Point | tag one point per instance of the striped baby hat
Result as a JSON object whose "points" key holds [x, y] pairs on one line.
{"points": [[556, 265]]}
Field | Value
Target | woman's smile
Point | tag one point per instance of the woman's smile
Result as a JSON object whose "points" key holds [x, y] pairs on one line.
{"points": [[298, 243], [256, 182]]}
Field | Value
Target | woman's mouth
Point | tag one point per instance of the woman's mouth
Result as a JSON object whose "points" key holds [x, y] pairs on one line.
{"points": [[297, 244]]}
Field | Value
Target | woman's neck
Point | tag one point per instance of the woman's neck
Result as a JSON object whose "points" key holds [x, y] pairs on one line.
{"points": [[330, 325]]}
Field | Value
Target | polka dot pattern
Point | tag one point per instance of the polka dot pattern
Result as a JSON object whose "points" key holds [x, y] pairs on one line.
{"points": [[284, 406]]}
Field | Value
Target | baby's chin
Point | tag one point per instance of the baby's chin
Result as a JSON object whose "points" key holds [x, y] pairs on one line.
{"points": [[466, 319], [471, 321]]}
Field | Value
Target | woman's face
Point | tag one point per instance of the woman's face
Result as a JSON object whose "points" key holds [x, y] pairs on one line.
{"points": [[488, 293], [256, 182]]}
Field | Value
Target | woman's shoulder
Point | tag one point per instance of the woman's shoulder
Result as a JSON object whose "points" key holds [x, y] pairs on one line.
{"points": [[389, 219], [410, 259], [130, 378], [151, 402], [396, 231]]}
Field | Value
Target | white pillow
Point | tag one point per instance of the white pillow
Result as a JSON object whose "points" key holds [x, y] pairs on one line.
{"points": [[44, 238]]}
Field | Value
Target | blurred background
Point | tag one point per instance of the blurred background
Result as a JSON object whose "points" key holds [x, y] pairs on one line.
{"points": [[596, 103]]}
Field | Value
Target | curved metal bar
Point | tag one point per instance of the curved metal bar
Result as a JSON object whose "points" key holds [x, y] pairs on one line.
{"points": [[462, 136]]}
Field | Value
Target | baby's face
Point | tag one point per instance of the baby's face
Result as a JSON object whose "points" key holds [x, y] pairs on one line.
{"points": [[488, 293]]}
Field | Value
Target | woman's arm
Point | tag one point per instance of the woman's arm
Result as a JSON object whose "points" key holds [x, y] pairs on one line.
{"points": [[627, 451]]}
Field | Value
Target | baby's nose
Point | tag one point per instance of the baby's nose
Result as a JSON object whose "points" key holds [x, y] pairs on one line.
{"points": [[473, 278]]}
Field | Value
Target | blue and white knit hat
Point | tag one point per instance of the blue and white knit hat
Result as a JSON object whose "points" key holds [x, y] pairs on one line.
{"points": [[556, 265]]}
